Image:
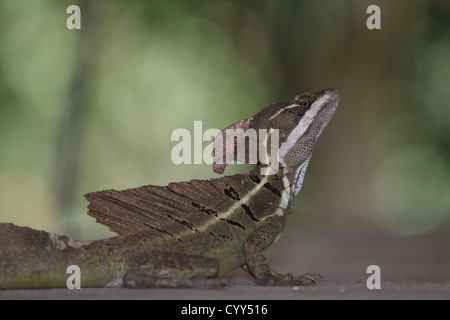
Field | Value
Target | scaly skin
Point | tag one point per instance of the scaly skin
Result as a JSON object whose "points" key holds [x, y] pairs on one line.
{"points": [[188, 233], [105, 262]]}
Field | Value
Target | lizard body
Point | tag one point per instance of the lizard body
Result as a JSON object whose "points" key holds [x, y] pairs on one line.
{"points": [[186, 233]]}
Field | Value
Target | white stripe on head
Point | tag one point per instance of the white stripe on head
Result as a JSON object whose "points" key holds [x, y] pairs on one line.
{"points": [[301, 128], [283, 109]]}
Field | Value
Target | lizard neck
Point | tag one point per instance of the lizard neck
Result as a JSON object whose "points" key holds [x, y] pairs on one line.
{"points": [[280, 184]]}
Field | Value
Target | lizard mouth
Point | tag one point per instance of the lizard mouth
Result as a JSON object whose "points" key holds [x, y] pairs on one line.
{"points": [[330, 102]]}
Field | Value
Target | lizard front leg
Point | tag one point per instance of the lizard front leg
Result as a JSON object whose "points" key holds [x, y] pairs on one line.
{"points": [[255, 262]]}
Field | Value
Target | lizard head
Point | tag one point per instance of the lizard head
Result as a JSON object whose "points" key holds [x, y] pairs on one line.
{"points": [[298, 123]]}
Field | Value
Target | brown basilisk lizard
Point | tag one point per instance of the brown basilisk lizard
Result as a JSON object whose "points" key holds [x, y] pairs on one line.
{"points": [[186, 233]]}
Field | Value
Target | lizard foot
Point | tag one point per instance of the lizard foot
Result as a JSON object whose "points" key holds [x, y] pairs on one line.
{"points": [[289, 281]]}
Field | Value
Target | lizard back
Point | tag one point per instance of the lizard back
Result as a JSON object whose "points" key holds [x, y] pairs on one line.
{"points": [[224, 208]]}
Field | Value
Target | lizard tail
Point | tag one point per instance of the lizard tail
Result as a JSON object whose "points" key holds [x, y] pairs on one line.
{"points": [[33, 258]]}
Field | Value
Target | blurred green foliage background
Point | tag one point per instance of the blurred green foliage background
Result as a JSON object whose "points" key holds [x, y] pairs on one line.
{"points": [[91, 109]]}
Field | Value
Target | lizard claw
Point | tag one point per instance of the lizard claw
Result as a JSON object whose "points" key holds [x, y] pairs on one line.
{"points": [[288, 280], [313, 277]]}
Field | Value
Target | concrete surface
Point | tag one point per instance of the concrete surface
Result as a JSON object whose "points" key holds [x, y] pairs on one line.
{"points": [[411, 268]]}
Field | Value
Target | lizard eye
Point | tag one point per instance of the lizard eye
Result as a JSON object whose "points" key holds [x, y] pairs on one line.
{"points": [[304, 103]]}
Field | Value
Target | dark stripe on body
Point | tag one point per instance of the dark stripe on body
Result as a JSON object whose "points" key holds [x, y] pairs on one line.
{"points": [[182, 222], [249, 212], [157, 229], [234, 223], [211, 211], [255, 178], [270, 187], [233, 194], [203, 209]]}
